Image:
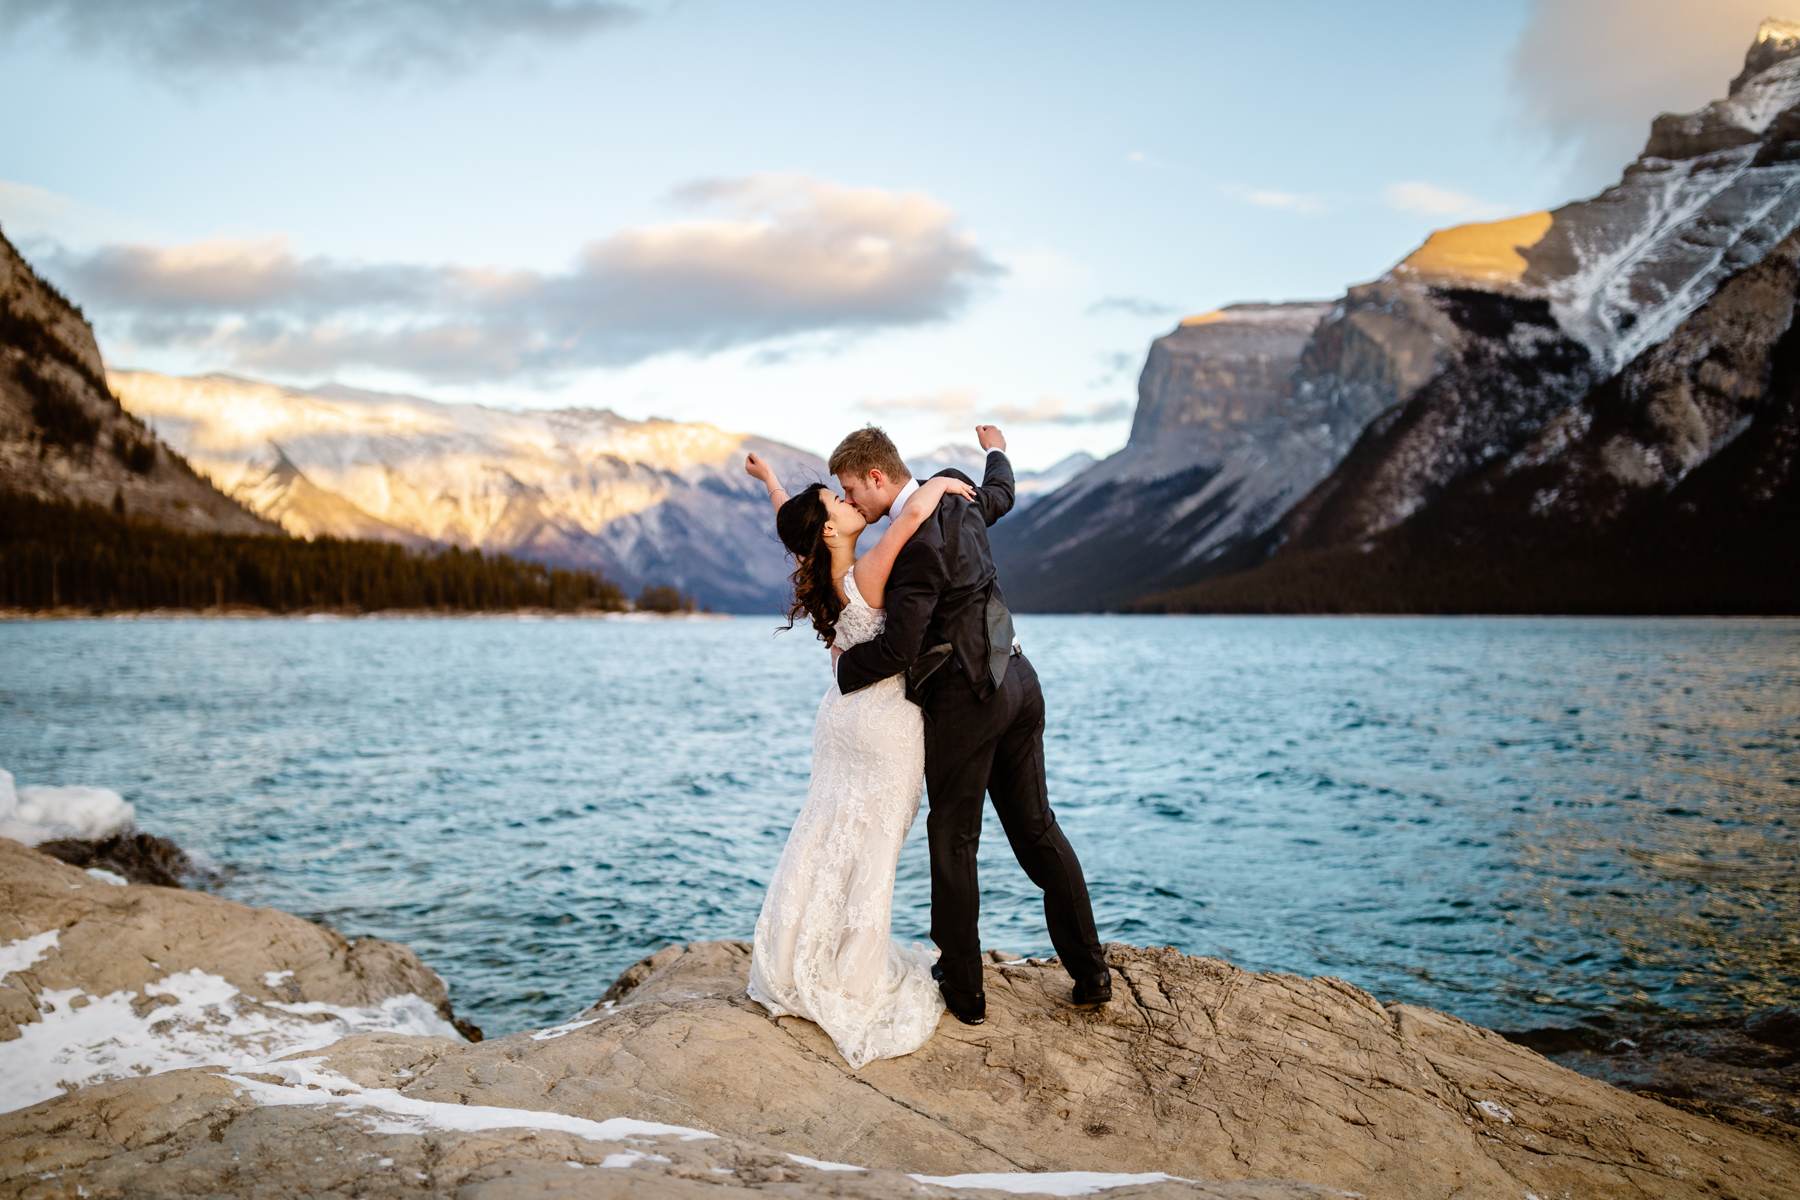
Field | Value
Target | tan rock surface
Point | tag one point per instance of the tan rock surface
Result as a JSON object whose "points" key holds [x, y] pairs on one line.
{"points": [[215, 973]]}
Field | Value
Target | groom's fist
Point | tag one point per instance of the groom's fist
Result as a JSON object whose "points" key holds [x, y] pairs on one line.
{"points": [[990, 437]]}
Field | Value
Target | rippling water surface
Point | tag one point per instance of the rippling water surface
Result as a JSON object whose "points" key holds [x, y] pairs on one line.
{"points": [[1525, 822]]}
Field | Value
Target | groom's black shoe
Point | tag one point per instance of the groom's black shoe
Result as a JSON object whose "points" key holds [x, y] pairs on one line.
{"points": [[968, 1007], [1092, 992]]}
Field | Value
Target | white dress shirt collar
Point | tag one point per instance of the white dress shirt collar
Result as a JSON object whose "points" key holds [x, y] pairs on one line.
{"points": [[893, 512]]}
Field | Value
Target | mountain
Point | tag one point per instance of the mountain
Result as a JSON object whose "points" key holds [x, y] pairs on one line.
{"points": [[64, 436], [644, 502], [1520, 411], [1029, 486], [1612, 425], [1221, 444]]}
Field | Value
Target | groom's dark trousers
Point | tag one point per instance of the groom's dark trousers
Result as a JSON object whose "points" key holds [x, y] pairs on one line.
{"points": [[947, 628], [997, 746]]}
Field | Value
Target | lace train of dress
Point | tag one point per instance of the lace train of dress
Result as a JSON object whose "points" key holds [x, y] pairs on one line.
{"points": [[823, 948]]}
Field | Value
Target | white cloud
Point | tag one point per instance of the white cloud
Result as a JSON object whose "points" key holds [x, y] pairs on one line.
{"points": [[1304, 203], [28, 212], [1432, 200]]}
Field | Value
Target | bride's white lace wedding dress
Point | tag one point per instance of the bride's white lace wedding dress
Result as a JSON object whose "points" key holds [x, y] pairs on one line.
{"points": [[823, 949]]}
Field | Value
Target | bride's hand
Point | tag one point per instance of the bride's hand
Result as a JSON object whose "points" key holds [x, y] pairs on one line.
{"points": [[933, 490], [756, 468]]}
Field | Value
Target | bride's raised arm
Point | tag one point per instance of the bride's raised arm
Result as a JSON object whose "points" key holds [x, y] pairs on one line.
{"points": [[757, 468], [872, 568]]}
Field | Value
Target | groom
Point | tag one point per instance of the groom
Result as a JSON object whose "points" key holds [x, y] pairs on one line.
{"points": [[949, 630]]}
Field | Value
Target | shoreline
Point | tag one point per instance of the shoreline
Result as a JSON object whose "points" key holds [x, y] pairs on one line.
{"points": [[248, 613], [1171, 1090], [245, 613], [1742, 1071]]}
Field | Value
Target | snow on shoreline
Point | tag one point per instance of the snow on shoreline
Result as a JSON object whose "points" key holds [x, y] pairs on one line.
{"points": [[306, 1081], [385, 1110], [202, 1020], [39, 814]]}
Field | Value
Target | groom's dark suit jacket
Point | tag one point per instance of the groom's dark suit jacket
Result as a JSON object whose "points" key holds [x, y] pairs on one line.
{"points": [[944, 607]]}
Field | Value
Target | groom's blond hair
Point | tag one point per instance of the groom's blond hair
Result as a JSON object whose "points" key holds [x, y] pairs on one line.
{"points": [[868, 449]]}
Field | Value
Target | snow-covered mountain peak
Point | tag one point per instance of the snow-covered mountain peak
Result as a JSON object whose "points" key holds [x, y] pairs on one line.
{"points": [[654, 501], [1776, 39], [1712, 192]]}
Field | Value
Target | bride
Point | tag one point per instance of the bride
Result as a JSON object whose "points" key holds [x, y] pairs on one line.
{"points": [[822, 949]]}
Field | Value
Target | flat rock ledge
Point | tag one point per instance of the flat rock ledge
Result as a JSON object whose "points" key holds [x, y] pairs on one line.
{"points": [[1198, 1080]]}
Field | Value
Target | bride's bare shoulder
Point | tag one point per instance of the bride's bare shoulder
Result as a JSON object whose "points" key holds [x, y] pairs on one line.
{"points": [[847, 588]]}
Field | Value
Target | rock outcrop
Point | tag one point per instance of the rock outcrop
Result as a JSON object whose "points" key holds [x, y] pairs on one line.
{"points": [[101, 978], [1198, 1079], [63, 434], [135, 857]]}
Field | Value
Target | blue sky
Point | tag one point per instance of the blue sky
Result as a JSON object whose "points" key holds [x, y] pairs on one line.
{"points": [[787, 218]]}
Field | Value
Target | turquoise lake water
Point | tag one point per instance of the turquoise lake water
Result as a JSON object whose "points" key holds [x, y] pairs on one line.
{"points": [[1528, 823]]}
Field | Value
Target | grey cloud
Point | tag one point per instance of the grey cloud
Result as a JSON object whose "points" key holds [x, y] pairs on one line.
{"points": [[188, 38], [788, 257], [1591, 74]]}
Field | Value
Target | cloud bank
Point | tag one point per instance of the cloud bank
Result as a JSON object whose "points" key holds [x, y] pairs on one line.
{"points": [[192, 38], [773, 256]]}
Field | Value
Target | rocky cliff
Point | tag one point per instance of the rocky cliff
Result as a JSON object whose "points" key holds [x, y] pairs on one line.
{"points": [[1616, 398], [1198, 1080], [1560, 302], [64, 435], [1220, 445], [1669, 487], [1496, 351]]}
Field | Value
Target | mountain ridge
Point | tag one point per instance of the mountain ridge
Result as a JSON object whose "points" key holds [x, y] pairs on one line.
{"points": [[1490, 349], [643, 501]]}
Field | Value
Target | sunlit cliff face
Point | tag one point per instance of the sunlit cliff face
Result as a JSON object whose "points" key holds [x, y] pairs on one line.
{"points": [[1487, 252]]}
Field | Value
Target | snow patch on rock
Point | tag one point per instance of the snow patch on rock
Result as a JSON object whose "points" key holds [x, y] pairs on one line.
{"points": [[187, 1019], [33, 815]]}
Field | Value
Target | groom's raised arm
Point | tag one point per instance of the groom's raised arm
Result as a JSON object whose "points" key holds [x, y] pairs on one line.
{"points": [[995, 495], [912, 595]]}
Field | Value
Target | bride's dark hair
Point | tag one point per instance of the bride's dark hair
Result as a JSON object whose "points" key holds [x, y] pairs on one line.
{"points": [[801, 523]]}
